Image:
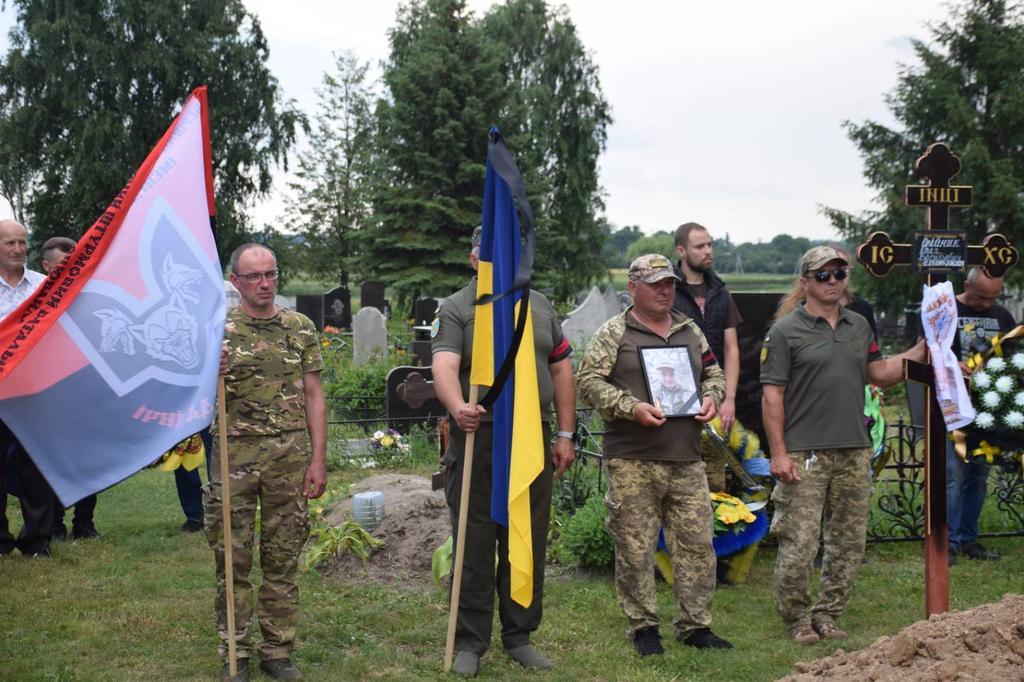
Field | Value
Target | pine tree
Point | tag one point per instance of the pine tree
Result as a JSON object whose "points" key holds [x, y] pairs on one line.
{"points": [[966, 90], [443, 92], [330, 203], [87, 88]]}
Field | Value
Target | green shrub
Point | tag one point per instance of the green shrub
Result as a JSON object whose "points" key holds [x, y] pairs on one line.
{"points": [[584, 540]]}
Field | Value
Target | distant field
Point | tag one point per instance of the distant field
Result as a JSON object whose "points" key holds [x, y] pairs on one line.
{"points": [[750, 283]]}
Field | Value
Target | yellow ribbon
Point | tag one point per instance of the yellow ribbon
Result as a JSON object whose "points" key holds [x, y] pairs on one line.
{"points": [[986, 450], [977, 360]]}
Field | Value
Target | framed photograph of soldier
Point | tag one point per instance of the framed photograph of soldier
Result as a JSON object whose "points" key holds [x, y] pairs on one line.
{"points": [[671, 384]]}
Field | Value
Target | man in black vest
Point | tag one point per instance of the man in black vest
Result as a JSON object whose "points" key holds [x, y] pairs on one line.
{"points": [[701, 295]]}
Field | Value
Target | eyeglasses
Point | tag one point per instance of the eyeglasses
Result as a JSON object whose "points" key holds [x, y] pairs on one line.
{"points": [[824, 275], [255, 277]]}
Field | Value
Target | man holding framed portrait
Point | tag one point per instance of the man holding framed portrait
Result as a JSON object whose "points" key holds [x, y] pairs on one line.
{"points": [[651, 375]]}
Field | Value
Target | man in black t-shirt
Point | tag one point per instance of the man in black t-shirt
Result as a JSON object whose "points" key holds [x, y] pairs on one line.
{"points": [[702, 296], [979, 318]]}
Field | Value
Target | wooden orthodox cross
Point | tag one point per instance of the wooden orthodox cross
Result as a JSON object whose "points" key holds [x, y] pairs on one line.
{"points": [[935, 251]]}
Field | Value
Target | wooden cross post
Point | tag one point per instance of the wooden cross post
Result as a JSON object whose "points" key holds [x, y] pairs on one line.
{"points": [[935, 251]]}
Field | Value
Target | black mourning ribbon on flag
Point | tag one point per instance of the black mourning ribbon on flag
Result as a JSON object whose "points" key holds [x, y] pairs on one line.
{"points": [[505, 166]]}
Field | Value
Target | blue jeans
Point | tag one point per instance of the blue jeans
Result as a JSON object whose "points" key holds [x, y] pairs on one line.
{"points": [[190, 493], [190, 484], [966, 488]]}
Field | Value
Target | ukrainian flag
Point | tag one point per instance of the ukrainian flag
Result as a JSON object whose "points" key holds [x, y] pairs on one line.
{"points": [[498, 342]]}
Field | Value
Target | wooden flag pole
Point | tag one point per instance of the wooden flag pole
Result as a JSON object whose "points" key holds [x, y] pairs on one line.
{"points": [[225, 492], [460, 538]]}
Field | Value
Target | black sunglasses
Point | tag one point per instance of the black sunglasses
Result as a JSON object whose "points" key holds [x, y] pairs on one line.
{"points": [[824, 275]]}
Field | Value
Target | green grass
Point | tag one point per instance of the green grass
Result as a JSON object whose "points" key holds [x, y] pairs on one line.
{"points": [[137, 605]]}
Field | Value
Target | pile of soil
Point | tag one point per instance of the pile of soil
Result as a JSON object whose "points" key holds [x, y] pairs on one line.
{"points": [[983, 643], [415, 523]]}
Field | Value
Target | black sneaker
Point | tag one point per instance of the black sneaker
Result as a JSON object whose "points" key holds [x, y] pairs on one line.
{"points": [[191, 526], [84, 532], [648, 642], [703, 638], [974, 550]]}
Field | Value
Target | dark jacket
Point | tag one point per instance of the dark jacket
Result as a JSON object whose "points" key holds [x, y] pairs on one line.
{"points": [[716, 310]]}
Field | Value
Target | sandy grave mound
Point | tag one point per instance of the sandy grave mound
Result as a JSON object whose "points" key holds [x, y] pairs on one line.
{"points": [[983, 643], [415, 523]]}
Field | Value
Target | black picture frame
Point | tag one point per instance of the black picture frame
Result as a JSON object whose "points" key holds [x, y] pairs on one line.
{"points": [[682, 398]]}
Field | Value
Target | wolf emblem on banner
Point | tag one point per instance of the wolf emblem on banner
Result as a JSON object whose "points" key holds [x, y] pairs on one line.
{"points": [[170, 332], [110, 325]]}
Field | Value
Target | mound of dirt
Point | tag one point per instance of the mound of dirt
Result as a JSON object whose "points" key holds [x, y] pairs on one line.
{"points": [[983, 643], [415, 523]]}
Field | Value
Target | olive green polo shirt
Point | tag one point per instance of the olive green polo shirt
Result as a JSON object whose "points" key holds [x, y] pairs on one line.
{"points": [[823, 371], [453, 331]]}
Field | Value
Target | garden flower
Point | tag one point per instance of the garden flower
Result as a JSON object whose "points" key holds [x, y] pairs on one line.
{"points": [[984, 420], [990, 399], [1014, 419], [1018, 399], [1004, 384], [996, 364], [1018, 360], [982, 379]]}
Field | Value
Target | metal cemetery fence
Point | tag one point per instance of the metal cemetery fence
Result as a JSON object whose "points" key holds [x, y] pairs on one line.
{"points": [[898, 511]]}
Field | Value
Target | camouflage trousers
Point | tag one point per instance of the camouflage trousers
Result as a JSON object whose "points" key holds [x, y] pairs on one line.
{"points": [[838, 483], [268, 479], [644, 496]]}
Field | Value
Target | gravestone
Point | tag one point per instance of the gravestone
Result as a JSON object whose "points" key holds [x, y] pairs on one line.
{"points": [[583, 322], [338, 308], [369, 336], [285, 302], [935, 251], [423, 312], [371, 295], [312, 306], [612, 302], [410, 398]]}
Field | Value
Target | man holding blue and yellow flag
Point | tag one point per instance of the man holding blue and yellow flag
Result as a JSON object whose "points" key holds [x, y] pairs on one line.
{"points": [[495, 332]]}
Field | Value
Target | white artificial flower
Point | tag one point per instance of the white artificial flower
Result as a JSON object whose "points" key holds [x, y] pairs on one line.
{"points": [[990, 399], [1018, 399], [1004, 384], [984, 420], [982, 379], [996, 364], [1018, 360], [1014, 419]]}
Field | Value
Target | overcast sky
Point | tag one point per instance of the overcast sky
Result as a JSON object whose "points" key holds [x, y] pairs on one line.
{"points": [[728, 114]]}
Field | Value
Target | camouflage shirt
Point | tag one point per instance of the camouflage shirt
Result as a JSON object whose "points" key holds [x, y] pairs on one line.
{"points": [[612, 381], [267, 360]]}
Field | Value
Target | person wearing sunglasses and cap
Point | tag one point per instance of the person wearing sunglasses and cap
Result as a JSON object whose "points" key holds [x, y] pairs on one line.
{"points": [[814, 364]]}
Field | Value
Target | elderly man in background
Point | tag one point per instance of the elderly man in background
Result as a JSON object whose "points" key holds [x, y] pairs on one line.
{"points": [[38, 502]]}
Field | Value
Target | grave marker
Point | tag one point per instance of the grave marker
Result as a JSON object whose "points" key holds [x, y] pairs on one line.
{"points": [[936, 251]]}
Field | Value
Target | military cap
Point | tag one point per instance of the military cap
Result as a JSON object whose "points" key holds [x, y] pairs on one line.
{"points": [[651, 268], [818, 257]]}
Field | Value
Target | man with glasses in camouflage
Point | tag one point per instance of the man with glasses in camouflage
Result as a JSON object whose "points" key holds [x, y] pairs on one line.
{"points": [[271, 368], [814, 364]]}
